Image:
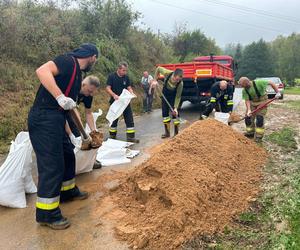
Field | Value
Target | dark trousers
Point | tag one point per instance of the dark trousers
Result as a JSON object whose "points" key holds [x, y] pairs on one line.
{"points": [[55, 161], [219, 105], [147, 99], [128, 117], [170, 96]]}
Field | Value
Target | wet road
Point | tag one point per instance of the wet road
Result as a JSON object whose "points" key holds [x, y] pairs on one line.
{"points": [[18, 229]]}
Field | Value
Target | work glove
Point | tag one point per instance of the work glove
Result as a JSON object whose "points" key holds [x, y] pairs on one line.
{"points": [[66, 103], [72, 138], [278, 95]]}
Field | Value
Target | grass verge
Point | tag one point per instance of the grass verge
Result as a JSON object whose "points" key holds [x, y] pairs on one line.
{"points": [[292, 91], [284, 138]]}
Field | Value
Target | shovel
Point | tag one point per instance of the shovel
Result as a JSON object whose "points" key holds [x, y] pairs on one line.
{"points": [[260, 107]]}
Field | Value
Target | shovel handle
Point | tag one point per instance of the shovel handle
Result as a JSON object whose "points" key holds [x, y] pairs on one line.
{"points": [[78, 123]]}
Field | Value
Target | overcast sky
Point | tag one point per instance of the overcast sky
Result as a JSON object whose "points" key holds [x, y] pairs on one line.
{"points": [[251, 19]]}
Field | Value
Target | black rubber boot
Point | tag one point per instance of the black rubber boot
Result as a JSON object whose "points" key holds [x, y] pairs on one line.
{"points": [[57, 225], [249, 135], [97, 165], [131, 138], [176, 130], [73, 195], [167, 131], [112, 135]]}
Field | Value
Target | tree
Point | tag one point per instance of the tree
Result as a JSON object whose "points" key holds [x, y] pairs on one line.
{"points": [[257, 60]]}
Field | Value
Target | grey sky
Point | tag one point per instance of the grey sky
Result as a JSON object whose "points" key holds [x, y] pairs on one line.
{"points": [[163, 14]]}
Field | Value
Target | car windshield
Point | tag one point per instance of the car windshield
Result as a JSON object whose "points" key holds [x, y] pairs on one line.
{"points": [[272, 79]]}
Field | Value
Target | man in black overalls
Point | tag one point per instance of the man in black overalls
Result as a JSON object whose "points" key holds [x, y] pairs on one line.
{"points": [[60, 85], [221, 98], [116, 82], [172, 91], [89, 87]]}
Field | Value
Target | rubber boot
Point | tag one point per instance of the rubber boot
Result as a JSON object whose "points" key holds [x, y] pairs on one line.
{"points": [[57, 225], [167, 131], [176, 129], [112, 135], [131, 138], [259, 134], [249, 132]]}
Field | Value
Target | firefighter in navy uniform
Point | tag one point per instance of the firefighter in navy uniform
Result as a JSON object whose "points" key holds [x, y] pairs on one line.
{"points": [[116, 82], [221, 98], [89, 87], [60, 85], [172, 91]]}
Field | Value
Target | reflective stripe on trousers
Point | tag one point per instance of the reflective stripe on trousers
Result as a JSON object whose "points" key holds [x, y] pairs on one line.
{"points": [[68, 185], [47, 203]]}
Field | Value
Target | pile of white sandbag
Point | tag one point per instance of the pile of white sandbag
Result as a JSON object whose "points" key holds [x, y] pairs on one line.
{"points": [[16, 173]]}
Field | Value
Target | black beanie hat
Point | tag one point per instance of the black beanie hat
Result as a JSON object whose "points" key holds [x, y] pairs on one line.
{"points": [[85, 50]]}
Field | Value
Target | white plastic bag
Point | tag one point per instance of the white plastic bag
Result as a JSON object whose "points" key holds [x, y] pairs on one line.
{"points": [[118, 106], [15, 173], [237, 97], [85, 160], [96, 115]]}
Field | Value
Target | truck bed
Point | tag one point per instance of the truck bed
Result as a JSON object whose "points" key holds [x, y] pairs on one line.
{"points": [[201, 70]]}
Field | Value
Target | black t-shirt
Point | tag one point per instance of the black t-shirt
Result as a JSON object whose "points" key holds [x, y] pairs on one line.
{"points": [[118, 83], [86, 100], [218, 93], [65, 65]]}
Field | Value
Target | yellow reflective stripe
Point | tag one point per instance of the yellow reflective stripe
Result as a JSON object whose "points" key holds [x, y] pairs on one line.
{"points": [[260, 130], [112, 130], [66, 188], [212, 100], [230, 102], [249, 129], [176, 122], [168, 119], [130, 131], [67, 185], [47, 203], [46, 206]]}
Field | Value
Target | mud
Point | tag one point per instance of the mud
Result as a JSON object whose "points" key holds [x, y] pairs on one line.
{"points": [[194, 183]]}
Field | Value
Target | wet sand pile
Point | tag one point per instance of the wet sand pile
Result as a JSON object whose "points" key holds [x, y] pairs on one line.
{"points": [[194, 183]]}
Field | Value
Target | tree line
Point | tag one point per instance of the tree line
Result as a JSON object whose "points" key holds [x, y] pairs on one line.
{"points": [[280, 57]]}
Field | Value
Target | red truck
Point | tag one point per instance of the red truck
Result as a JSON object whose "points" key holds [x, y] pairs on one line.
{"points": [[200, 74]]}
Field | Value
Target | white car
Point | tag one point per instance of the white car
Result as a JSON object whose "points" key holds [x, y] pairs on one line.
{"points": [[270, 91]]}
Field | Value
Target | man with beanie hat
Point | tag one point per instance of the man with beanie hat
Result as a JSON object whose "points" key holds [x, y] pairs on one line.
{"points": [[60, 85]]}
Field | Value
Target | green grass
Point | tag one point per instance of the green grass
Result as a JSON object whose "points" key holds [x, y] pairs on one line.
{"points": [[285, 138], [292, 91], [293, 105]]}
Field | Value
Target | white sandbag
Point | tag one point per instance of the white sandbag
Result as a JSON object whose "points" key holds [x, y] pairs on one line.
{"points": [[222, 117], [29, 185], [237, 97], [118, 106], [12, 193], [14, 171], [132, 153], [85, 160], [113, 143], [110, 157], [96, 115]]}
